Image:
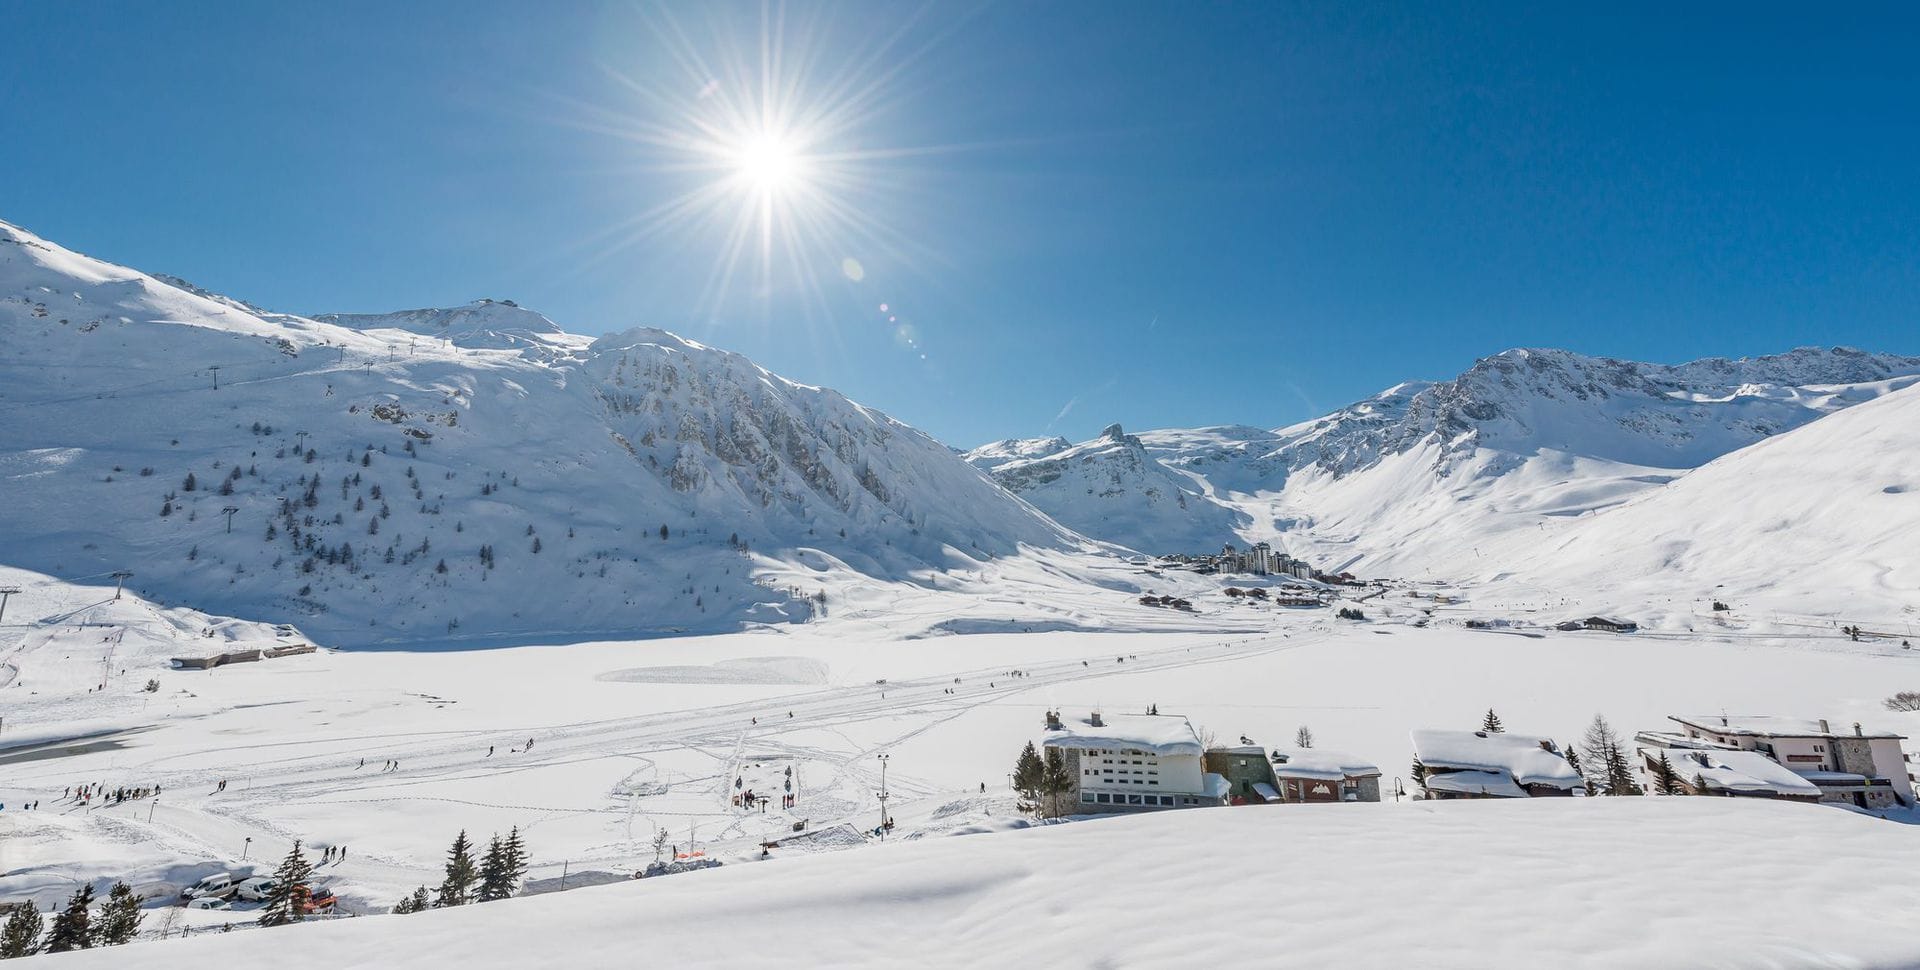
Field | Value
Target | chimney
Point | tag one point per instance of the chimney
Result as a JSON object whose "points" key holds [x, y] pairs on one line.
{"points": [[1823, 726], [1053, 720], [1095, 720], [1856, 729]]}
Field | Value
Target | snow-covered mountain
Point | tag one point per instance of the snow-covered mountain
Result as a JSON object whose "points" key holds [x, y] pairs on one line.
{"points": [[429, 473], [1818, 522], [483, 324], [1112, 487], [992, 456], [1409, 480]]}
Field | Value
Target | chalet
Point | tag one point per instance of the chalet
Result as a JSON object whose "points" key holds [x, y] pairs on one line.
{"points": [[1491, 764], [1605, 624], [1134, 763], [1256, 776], [1847, 768], [1322, 775]]}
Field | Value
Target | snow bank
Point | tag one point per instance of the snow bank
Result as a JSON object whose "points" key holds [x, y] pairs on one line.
{"points": [[1566, 882]]}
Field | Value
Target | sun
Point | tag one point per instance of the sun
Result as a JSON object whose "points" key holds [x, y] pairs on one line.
{"points": [[769, 163], [769, 151]]}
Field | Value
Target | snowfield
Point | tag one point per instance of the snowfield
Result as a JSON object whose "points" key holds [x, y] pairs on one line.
{"points": [[1628, 883]]}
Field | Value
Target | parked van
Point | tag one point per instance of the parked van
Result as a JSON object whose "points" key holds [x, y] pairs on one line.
{"points": [[257, 888], [208, 902], [218, 884]]}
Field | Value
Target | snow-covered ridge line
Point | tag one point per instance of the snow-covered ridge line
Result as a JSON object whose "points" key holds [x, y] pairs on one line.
{"points": [[429, 473], [1403, 481]]}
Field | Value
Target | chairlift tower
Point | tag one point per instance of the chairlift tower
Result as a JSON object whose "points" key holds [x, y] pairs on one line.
{"points": [[6, 591], [229, 510], [883, 797], [120, 577]]}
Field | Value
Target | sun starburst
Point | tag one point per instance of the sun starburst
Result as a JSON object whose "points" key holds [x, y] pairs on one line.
{"points": [[764, 155]]}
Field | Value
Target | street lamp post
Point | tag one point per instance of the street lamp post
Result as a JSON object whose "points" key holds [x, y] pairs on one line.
{"points": [[246, 848]]}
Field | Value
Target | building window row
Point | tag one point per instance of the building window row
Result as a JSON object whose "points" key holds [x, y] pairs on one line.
{"points": [[1129, 798]]}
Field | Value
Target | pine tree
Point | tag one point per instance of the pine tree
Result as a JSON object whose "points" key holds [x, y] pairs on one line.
{"points": [[190, 484], [286, 903], [1665, 780], [419, 902], [516, 860], [1303, 738], [1573, 759], [1057, 781], [21, 936], [73, 927], [492, 873], [120, 918], [1029, 777], [1491, 723], [457, 887]]}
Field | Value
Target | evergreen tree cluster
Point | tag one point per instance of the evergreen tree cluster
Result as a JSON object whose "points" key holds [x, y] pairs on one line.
{"points": [[1613, 772], [498, 874], [77, 927], [1043, 782]]}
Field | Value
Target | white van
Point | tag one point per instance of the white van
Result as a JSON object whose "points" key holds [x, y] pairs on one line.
{"points": [[208, 902], [217, 884], [257, 888]]}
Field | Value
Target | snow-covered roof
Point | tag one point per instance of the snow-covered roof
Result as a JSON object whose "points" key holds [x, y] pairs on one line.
{"points": [[1216, 786], [1320, 764], [1529, 760], [1743, 772], [1496, 783], [1265, 791], [1155, 733], [1768, 725], [1674, 739]]}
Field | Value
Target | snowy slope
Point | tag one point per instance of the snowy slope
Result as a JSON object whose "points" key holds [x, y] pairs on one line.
{"points": [[1529, 883], [1111, 487], [1410, 480], [1818, 521], [440, 473], [484, 324], [60, 641]]}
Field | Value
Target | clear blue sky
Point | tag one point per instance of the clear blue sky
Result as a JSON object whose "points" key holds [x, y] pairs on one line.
{"points": [[1158, 214]]}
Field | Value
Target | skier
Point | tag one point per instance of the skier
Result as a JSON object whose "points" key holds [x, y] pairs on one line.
{"points": [[489, 750], [362, 764], [529, 744]]}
